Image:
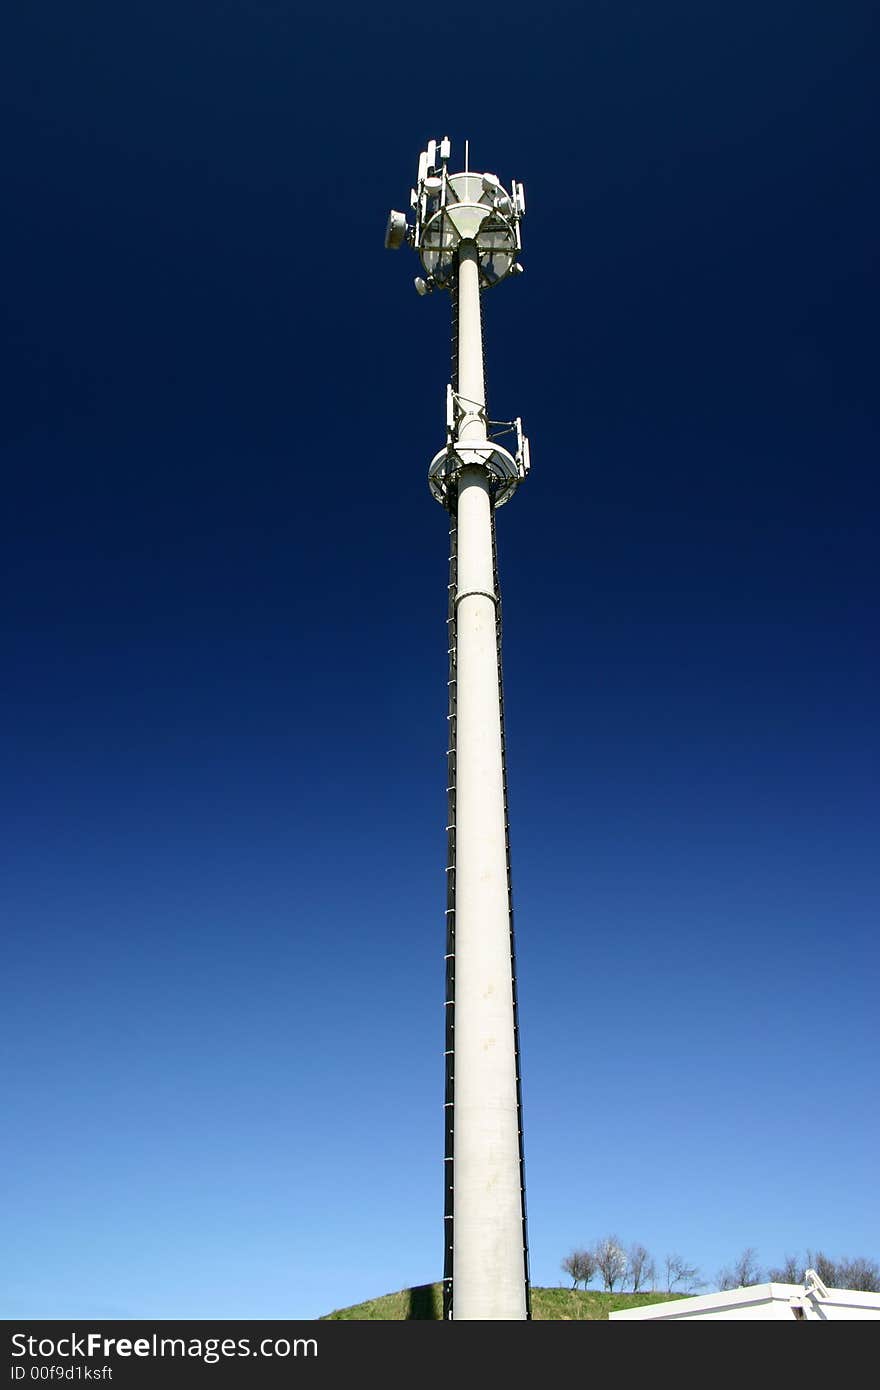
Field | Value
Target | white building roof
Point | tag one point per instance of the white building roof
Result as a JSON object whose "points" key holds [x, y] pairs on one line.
{"points": [[810, 1301]]}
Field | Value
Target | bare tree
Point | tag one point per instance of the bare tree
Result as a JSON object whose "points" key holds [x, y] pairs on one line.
{"points": [[824, 1267], [580, 1265], [641, 1267], [791, 1271], [858, 1273], [611, 1261], [743, 1272], [571, 1266], [678, 1271]]}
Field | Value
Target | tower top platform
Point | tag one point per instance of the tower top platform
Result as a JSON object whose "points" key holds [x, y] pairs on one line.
{"points": [[452, 208]]}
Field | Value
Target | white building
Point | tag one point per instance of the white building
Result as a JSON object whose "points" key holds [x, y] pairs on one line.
{"points": [[810, 1301]]}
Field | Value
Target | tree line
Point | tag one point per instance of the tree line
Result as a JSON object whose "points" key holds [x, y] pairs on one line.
{"points": [[850, 1272], [633, 1267]]}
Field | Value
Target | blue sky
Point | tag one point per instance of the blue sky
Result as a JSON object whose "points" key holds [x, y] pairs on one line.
{"points": [[224, 737]]}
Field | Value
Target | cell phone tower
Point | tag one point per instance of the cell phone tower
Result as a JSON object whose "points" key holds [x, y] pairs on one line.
{"points": [[466, 230]]}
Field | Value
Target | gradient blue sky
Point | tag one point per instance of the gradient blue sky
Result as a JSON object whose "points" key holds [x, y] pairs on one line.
{"points": [[225, 648]]}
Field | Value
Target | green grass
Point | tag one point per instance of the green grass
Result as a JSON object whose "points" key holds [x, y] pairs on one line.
{"points": [[548, 1305]]}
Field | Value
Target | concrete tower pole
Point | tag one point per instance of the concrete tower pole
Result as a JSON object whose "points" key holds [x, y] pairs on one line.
{"points": [[488, 1281], [467, 233]]}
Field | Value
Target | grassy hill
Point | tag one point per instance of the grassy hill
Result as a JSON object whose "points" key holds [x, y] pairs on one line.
{"points": [[561, 1305]]}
